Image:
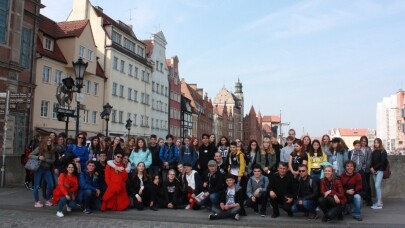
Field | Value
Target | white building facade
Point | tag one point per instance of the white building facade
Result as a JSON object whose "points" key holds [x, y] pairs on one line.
{"points": [[386, 122]]}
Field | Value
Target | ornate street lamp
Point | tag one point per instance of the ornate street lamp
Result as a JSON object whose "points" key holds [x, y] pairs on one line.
{"points": [[128, 126], [105, 114], [80, 68]]}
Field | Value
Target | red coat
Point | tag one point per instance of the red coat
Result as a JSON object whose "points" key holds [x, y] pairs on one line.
{"points": [[115, 197], [336, 187], [66, 184]]}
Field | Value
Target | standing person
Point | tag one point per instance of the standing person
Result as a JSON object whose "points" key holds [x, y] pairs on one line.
{"points": [[95, 148], [192, 182], [223, 147], [178, 144], [325, 144], [101, 137], [379, 163], [140, 153], [114, 147], [352, 185], [239, 145], [130, 146], [297, 157], [79, 151], [315, 158], [282, 190], [231, 201], [60, 161], [196, 144], [221, 163], [187, 153], [100, 172], [206, 153], [267, 158], [257, 191], [338, 156], [213, 139], [332, 197], [171, 192], [168, 155], [287, 150], [213, 183], [154, 168], [367, 175], [252, 152], [161, 142], [137, 187], [89, 191], [306, 143], [307, 193], [276, 147], [115, 197], [291, 133], [66, 191], [46, 153], [236, 162], [29, 175]]}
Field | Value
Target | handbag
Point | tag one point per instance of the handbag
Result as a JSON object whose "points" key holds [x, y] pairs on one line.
{"points": [[33, 164], [387, 171]]}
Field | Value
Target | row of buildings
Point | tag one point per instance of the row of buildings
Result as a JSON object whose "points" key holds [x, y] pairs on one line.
{"points": [[135, 76]]}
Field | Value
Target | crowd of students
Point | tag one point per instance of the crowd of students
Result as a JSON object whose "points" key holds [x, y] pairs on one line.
{"points": [[304, 175]]}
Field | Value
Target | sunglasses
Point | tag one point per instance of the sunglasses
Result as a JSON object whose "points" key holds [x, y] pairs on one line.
{"points": [[301, 171]]}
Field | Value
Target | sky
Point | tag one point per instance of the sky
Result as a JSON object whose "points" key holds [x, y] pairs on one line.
{"points": [[323, 64]]}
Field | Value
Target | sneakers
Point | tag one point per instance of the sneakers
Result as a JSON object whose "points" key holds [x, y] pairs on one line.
{"points": [[38, 204], [187, 207], [358, 218], [153, 208], [263, 214], [212, 216], [68, 209], [377, 206], [59, 214], [27, 185], [312, 217], [87, 211], [237, 217], [48, 203], [256, 211]]}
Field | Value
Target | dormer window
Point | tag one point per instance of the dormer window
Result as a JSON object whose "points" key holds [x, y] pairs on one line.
{"points": [[140, 51], [116, 37], [48, 43]]}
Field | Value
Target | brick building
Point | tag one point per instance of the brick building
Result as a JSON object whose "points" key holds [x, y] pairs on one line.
{"points": [[175, 96], [252, 128]]}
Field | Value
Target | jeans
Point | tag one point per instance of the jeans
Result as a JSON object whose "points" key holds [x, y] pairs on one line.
{"points": [[262, 199], [357, 201], [226, 214], [46, 175], [378, 176], [329, 207], [307, 206], [316, 177], [63, 201], [90, 200], [280, 201], [212, 199]]}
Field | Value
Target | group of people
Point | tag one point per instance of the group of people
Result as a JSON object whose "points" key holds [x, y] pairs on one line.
{"points": [[302, 175]]}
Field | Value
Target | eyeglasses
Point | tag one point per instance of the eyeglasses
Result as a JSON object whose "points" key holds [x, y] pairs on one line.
{"points": [[301, 171]]}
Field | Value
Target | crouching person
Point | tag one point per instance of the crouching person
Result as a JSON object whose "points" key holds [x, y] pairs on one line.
{"points": [[213, 184], [257, 191], [353, 186], [89, 192], [307, 194], [231, 201], [171, 197], [66, 191]]}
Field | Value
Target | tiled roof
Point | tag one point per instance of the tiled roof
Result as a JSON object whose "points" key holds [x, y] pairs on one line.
{"points": [[149, 47], [100, 71], [273, 119], [62, 29], [266, 128], [353, 131], [56, 54]]}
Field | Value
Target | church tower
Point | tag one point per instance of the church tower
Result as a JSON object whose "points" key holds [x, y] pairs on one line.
{"points": [[239, 94]]}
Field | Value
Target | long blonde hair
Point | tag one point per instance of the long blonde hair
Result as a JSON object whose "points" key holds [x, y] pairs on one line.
{"points": [[269, 150]]}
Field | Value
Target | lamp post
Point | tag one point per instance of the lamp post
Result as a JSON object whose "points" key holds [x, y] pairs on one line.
{"points": [[105, 114], [128, 126], [80, 68]]}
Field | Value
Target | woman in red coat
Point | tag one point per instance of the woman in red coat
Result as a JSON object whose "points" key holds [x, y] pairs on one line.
{"points": [[115, 197], [66, 191], [332, 196]]}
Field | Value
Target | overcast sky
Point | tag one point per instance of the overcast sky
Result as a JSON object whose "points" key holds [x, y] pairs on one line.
{"points": [[325, 64]]}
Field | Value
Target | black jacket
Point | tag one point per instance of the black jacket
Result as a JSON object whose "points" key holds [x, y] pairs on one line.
{"points": [[379, 160], [277, 148], [283, 187], [206, 153], [171, 191], [307, 189], [239, 195], [197, 181], [134, 184], [216, 181], [155, 155]]}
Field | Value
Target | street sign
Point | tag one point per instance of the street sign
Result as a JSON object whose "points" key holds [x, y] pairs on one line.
{"points": [[3, 95], [20, 98], [66, 111], [80, 97]]}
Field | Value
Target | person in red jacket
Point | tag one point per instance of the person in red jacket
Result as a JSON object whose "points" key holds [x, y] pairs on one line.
{"points": [[115, 197], [352, 184], [66, 191], [332, 196]]}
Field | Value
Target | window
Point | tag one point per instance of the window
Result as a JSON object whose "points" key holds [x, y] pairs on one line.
{"points": [[135, 95], [87, 86], [157, 87], [147, 121], [46, 72], [3, 20], [122, 69], [161, 67], [48, 43], [161, 89], [153, 87], [129, 94], [130, 70], [152, 123], [116, 37], [140, 50], [89, 55], [120, 116], [44, 108], [115, 63], [143, 98], [129, 115], [114, 116], [147, 77], [85, 116], [134, 121], [81, 51], [157, 65], [94, 117], [25, 46], [114, 89], [95, 89], [129, 45], [54, 111], [146, 98], [142, 121], [153, 104], [166, 91], [136, 72], [121, 91], [58, 77]]}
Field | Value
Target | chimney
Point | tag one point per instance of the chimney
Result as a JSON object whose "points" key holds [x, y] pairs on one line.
{"points": [[193, 86], [200, 91], [79, 10], [99, 8]]}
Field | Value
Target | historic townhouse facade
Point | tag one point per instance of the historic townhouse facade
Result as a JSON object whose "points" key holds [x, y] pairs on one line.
{"points": [[58, 45], [175, 97], [156, 53], [123, 58], [252, 129]]}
